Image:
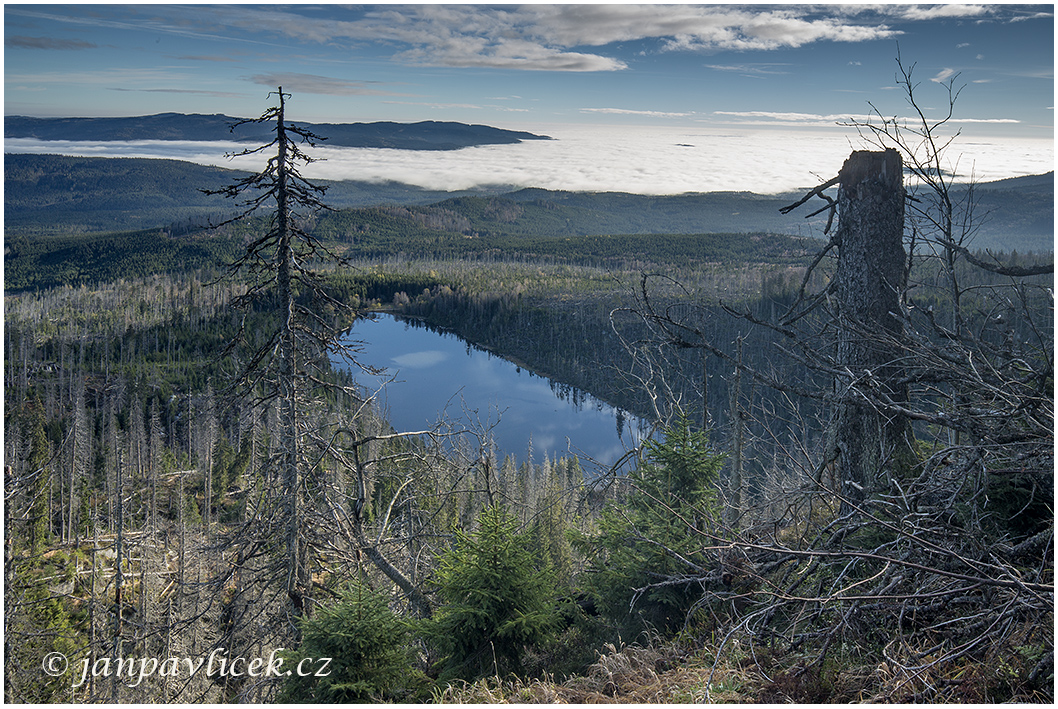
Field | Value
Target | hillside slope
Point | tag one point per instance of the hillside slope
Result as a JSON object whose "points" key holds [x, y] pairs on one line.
{"points": [[50, 194]]}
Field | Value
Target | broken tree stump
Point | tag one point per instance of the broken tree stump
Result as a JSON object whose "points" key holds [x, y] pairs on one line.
{"points": [[870, 442]]}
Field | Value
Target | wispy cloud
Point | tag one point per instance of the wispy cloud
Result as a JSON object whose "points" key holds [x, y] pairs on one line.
{"points": [[547, 37], [124, 77], [328, 86], [1032, 16], [197, 27], [751, 69], [471, 106], [205, 58], [806, 119], [697, 26], [943, 75], [634, 112], [435, 35], [19, 42], [540, 37], [195, 92], [543, 37], [935, 12], [793, 118]]}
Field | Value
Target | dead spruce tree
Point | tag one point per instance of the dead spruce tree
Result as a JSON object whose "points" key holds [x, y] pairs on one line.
{"points": [[287, 365], [304, 529]]}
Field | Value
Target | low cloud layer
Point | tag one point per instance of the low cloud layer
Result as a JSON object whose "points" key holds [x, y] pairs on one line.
{"points": [[600, 158]]}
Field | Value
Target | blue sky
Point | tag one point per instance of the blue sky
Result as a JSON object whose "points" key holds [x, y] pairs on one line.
{"points": [[759, 66]]}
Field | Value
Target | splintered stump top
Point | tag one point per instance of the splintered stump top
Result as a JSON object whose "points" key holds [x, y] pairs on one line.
{"points": [[884, 169], [870, 235]]}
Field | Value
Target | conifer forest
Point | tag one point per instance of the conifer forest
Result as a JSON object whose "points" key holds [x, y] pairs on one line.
{"points": [[845, 494]]}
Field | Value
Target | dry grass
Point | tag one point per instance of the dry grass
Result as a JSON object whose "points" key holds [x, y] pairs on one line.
{"points": [[674, 673], [662, 674]]}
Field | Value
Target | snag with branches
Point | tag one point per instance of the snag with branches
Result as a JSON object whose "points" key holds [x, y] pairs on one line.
{"points": [[338, 486], [931, 537], [291, 359], [304, 508]]}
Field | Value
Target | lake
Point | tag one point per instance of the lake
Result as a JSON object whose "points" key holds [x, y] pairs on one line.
{"points": [[438, 373]]}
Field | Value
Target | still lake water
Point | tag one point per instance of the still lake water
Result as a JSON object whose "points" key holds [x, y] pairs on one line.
{"points": [[437, 373]]}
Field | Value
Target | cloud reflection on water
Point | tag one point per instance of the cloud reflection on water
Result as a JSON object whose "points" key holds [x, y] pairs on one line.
{"points": [[420, 360]]}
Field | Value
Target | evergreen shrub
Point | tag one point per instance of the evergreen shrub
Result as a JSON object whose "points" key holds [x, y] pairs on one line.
{"points": [[370, 649]]}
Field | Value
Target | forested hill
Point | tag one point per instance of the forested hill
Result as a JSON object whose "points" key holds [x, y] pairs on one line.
{"points": [[425, 135], [58, 194], [53, 195]]}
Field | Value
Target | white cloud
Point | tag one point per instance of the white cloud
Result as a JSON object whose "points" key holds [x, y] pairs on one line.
{"points": [[794, 118], [944, 75], [1033, 16], [817, 119], [420, 360], [631, 112], [509, 54], [438, 35], [540, 37], [739, 29], [546, 37], [697, 26], [934, 12]]}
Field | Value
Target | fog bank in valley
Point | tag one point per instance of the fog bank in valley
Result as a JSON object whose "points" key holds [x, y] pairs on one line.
{"points": [[598, 158]]}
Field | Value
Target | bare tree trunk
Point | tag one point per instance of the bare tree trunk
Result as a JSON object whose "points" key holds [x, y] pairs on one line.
{"points": [[870, 280], [297, 572], [277, 266], [93, 604], [734, 492], [118, 585]]}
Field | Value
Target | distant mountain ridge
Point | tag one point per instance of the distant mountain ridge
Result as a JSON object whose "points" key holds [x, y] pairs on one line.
{"points": [[52, 194], [424, 135]]}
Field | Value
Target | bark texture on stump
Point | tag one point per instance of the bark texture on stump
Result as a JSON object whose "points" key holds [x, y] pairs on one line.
{"points": [[870, 278]]}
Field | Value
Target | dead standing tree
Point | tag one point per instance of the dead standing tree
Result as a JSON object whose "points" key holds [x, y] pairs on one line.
{"points": [[942, 560], [309, 503], [870, 282], [292, 359], [868, 289]]}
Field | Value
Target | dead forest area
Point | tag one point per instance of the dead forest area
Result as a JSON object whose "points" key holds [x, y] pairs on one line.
{"points": [[847, 495], [117, 422]]}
